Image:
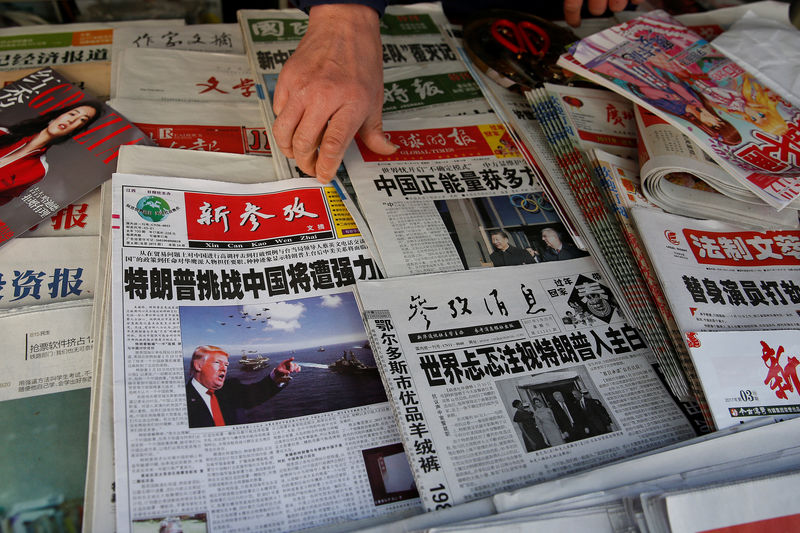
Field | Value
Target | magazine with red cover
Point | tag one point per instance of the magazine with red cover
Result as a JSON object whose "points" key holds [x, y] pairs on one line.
{"points": [[57, 143], [668, 69]]}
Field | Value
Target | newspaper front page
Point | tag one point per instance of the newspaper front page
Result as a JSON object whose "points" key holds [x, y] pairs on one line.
{"points": [[264, 273], [746, 374], [455, 187], [501, 379], [719, 277]]}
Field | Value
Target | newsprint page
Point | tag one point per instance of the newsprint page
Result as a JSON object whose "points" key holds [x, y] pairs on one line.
{"points": [[246, 291], [501, 378]]}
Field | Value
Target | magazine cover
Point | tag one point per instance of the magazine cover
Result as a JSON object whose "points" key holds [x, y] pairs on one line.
{"points": [[670, 70], [57, 143]]}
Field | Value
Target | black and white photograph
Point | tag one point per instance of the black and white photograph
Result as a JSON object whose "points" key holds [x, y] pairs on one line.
{"points": [[554, 408]]}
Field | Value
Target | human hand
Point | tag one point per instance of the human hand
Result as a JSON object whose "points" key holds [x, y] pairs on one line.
{"points": [[572, 8], [282, 373], [331, 88]]}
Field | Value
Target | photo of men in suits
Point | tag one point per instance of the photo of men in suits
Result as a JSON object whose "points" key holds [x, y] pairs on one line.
{"points": [[213, 401], [580, 417]]}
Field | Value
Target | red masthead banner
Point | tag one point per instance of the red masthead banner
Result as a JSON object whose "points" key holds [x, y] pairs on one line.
{"points": [[745, 248], [445, 143], [234, 218]]}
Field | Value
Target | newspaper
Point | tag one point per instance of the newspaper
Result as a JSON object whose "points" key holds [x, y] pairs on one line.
{"points": [[410, 35], [620, 181], [266, 273], [99, 502], [671, 71], [426, 91], [763, 504], [234, 128], [185, 76], [681, 178], [221, 38], [478, 364], [434, 205], [47, 270], [747, 374], [606, 235], [44, 411], [601, 120], [719, 277]]}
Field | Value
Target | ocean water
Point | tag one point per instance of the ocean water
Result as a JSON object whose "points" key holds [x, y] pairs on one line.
{"points": [[312, 390]]}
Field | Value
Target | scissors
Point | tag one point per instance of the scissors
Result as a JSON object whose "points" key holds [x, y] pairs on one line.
{"points": [[521, 38]]}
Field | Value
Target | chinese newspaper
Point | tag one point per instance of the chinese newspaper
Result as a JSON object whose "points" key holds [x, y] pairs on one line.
{"points": [[747, 373], [718, 277], [456, 195], [501, 379], [670, 70], [247, 292]]}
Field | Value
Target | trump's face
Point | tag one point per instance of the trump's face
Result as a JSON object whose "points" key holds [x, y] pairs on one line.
{"points": [[211, 372]]}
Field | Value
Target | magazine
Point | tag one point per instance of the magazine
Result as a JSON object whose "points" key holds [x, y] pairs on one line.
{"points": [[671, 71], [504, 378], [747, 374], [246, 291], [681, 178], [59, 144]]}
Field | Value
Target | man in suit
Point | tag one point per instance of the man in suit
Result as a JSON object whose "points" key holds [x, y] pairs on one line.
{"points": [[211, 401], [594, 417], [564, 417]]}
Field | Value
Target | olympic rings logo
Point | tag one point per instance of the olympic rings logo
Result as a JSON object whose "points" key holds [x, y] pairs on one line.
{"points": [[531, 202]]}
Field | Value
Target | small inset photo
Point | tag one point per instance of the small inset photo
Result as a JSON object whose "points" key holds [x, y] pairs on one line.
{"points": [[195, 523], [554, 408], [389, 474]]}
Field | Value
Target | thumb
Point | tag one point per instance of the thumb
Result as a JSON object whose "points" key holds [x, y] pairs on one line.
{"points": [[371, 133]]}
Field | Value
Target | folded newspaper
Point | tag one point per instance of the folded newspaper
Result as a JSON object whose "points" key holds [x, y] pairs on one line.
{"points": [[679, 177], [503, 378], [663, 66]]}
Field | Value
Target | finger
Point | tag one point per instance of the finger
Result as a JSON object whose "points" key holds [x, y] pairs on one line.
{"points": [[308, 135], [281, 96], [371, 132], [572, 12], [617, 5], [597, 7], [338, 134], [285, 125]]}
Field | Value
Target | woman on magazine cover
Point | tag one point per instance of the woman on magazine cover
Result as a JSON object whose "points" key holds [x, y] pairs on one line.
{"points": [[23, 146]]}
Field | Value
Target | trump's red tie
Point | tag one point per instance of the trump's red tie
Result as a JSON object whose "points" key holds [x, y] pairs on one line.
{"points": [[216, 412]]}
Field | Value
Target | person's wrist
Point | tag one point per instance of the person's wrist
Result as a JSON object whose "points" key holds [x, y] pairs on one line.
{"points": [[344, 17]]}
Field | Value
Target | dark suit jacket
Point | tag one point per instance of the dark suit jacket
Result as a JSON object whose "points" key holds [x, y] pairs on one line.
{"points": [[233, 396], [562, 419], [595, 416]]}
